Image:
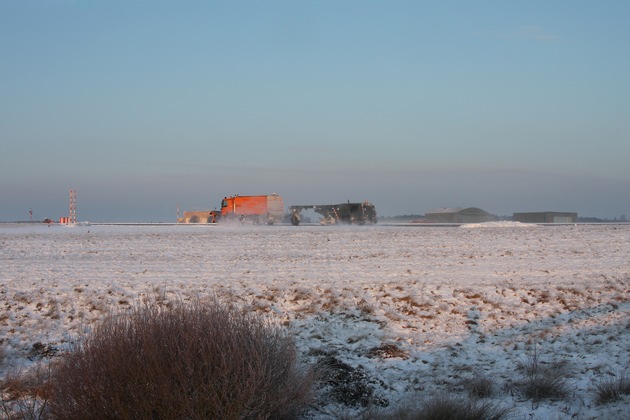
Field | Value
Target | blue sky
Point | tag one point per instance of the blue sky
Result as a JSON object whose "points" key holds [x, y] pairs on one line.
{"points": [[144, 106]]}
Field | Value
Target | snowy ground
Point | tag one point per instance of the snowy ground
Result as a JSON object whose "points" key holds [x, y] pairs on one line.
{"points": [[418, 310]]}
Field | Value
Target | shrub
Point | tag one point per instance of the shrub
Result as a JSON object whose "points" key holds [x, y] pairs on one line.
{"points": [[181, 361], [24, 394], [611, 389], [351, 386]]}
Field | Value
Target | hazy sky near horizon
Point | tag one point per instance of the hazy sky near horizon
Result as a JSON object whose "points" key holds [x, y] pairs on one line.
{"points": [[144, 106]]}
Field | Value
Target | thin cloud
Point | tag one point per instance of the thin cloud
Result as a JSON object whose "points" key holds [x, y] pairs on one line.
{"points": [[528, 32], [536, 33]]}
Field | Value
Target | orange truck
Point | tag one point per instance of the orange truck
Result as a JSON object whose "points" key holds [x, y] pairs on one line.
{"points": [[256, 209]]}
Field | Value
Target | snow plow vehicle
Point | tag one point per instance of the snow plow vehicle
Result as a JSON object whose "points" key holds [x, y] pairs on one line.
{"points": [[344, 213], [254, 209]]}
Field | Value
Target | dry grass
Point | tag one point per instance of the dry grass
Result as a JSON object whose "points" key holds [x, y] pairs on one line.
{"points": [[181, 361], [542, 381], [445, 407], [611, 389], [480, 387]]}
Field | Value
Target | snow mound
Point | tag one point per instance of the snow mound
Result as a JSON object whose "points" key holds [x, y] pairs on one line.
{"points": [[505, 224]]}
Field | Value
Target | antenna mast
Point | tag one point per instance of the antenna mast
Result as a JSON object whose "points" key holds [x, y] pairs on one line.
{"points": [[73, 206]]}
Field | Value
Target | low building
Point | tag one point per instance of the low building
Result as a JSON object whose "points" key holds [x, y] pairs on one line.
{"points": [[545, 217], [459, 215]]}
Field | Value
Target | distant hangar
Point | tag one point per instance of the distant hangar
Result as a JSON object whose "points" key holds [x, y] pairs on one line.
{"points": [[459, 215]]}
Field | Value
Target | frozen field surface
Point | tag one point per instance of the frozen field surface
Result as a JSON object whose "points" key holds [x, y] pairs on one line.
{"points": [[419, 311]]}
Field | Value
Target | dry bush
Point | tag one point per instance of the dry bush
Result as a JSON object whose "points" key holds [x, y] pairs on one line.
{"points": [[25, 394], [611, 389], [181, 361]]}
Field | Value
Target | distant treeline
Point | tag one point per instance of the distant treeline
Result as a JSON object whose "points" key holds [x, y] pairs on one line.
{"points": [[621, 219]]}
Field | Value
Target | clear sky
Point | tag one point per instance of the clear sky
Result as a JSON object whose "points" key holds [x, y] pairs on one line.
{"points": [[144, 106]]}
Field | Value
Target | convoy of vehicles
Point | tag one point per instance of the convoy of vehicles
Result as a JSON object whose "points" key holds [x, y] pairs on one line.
{"points": [[269, 209]]}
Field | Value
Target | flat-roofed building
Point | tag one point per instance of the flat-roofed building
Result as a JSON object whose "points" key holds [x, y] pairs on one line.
{"points": [[545, 217]]}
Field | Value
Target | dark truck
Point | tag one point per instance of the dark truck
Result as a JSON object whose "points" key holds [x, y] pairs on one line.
{"points": [[344, 213]]}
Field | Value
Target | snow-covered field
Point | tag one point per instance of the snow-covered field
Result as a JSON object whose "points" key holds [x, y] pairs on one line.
{"points": [[417, 310]]}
